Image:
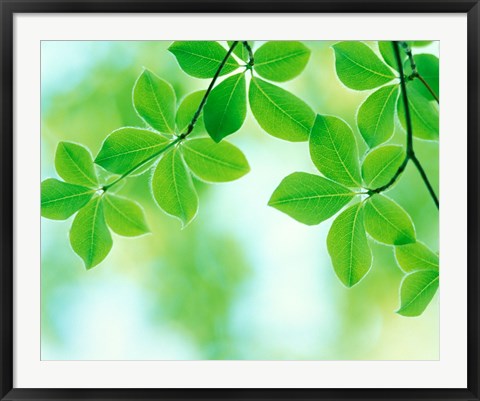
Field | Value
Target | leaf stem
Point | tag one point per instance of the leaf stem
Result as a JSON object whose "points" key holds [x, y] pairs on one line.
{"points": [[425, 179], [415, 73], [410, 152], [251, 60], [429, 88], [190, 127], [142, 163]]}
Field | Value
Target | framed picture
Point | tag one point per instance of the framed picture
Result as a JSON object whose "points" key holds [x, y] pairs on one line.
{"points": [[237, 200]]}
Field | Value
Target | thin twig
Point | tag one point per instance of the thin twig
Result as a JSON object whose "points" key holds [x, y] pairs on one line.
{"points": [[410, 152], [190, 127]]}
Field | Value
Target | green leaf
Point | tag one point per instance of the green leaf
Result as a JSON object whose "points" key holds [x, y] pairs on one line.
{"points": [[375, 118], [416, 256], [348, 246], [124, 216], [60, 200], [154, 100], [387, 222], [358, 67], [126, 148], [240, 50], [90, 237], [428, 68], [173, 188], [75, 165], [201, 59], [334, 152], [279, 112], [419, 43], [309, 198], [423, 113], [226, 107], [381, 164], [187, 110], [388, 54], [214, 162], [416, 292], [281, 60]]}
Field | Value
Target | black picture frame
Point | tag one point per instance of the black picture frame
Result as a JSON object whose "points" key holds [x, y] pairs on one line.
{"points": [[9, 8]]}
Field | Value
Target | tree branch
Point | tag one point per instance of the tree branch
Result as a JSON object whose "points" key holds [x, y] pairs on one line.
{"points": [[415, 73], [410, 152], [190, 127]]}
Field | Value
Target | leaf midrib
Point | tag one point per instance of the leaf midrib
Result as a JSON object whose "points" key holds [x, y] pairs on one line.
{"points": [[240, 76], [228, 63], [275, 60], [305, 198], [394, 88], [350, 259], [420, 293], [372, 181], [354, 181], [419, 116], [91, 191], [89, 179], [389, 222], [174, 179], [98, 161], [218, 161], [435, 265], [365, 67], [278, 107], [150, 83], [133, 222], [92, 231]]}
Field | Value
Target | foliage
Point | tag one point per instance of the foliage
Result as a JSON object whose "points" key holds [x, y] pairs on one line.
{"points": [[186, 140]]}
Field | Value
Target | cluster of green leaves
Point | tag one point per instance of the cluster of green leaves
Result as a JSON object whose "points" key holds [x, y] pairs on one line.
{"points": [[131, 150], [311, 198], [166, 147], [90, 235], [279, 112], [174, 147]]}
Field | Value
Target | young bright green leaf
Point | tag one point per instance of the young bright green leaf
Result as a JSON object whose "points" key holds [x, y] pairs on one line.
{"points": [[173, 188], [309, 199], [334, 152], [381, 164], [74, 164], [281, 60], [128, 147], [201, 59], [419, 43], [375, 118], [416, 292], [89, 236], [226, 107], [186, 111], [59, 200], [423, 113], [388, 54], [240, 50], [416, 256], [124, 216], [358, 67], [279, 112], [214, 162], [428, 67], [387, 222], [154, 100], [348, 246]]}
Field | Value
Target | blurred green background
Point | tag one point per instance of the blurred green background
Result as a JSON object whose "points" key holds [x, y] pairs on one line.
{"points": [[243, 281]]}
